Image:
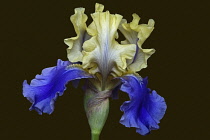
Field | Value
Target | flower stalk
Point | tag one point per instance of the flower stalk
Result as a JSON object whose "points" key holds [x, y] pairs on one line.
{"points": [[94, 136], [96, 104]]}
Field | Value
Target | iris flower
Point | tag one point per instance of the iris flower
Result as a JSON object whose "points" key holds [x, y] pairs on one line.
{"points": [[107, 67]]}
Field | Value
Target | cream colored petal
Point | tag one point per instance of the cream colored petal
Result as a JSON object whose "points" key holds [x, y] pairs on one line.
{"points": [[74, 51], [92, 28], [99, 7], [135, 22], [102, 52], [141, 60], [144, 31], [137, 33], [130, 35]]}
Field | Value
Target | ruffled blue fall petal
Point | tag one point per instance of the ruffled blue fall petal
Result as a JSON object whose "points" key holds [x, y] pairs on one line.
{"points": [[145, 108], [45, 88]]}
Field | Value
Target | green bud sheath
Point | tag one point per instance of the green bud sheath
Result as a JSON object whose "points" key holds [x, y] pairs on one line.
{"points": [[96, 105]]}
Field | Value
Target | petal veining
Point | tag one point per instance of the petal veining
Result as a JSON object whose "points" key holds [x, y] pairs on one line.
{"points": [[45, 88], [145, 109], [102, 53]]}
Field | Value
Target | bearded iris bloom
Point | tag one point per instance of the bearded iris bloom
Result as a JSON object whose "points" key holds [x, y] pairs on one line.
{"points": [[107, 67]]}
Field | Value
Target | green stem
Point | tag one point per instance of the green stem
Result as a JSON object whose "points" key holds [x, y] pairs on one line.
{"points": [[95, 136]]}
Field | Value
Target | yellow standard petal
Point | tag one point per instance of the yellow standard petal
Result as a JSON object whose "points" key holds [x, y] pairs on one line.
{"points": [[136, 33], [92, 28], [102, 53], [74, 51]]}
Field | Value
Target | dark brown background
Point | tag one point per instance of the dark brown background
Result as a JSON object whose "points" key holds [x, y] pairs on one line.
{"points": [[32, 34]]}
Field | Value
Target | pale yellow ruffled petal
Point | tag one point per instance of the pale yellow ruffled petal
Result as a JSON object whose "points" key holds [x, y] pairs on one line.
{"points": [[74, 51], [102, 53], [99, 7], [92, 28], [130, 35], [136, 33], [141, 60], [144, 31]]}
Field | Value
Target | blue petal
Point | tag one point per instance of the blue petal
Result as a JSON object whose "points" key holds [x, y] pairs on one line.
{"points": [[45, 88], [145, 109]]}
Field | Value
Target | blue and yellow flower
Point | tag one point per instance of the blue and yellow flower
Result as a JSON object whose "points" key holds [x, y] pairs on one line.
{"points": [[107, 66]]}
